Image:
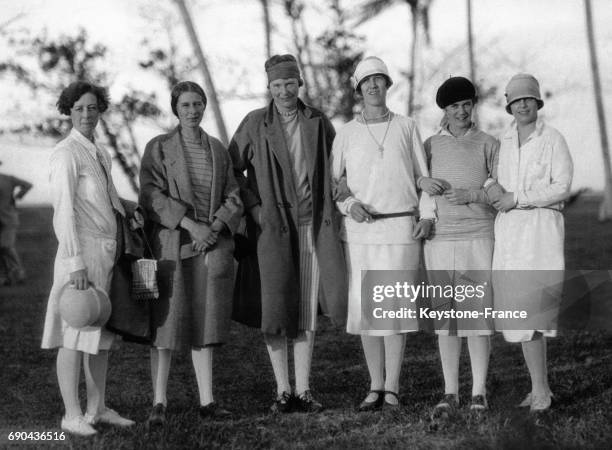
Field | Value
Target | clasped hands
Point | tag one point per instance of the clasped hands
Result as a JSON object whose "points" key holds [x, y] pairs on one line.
{"points": [[202, 236], [360, 213], [438, 186]]}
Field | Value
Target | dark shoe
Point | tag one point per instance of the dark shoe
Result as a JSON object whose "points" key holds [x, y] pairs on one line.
{"points": [[479, 403], [307, 403], [282, 404], [157, 418], [375, 405], [446, 407], [214, 411], [388, 405]]}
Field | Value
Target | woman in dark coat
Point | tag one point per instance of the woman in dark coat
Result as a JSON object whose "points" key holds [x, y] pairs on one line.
{"points": [[293, 224], [192, 200]]}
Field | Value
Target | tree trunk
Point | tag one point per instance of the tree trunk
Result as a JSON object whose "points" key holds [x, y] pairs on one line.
{"points": [[605, 209], [210, 88], [267, 27], [413, 50], [471, 58], [130, 171]]}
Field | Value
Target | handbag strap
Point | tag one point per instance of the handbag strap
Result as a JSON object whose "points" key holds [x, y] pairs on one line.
{"points": [[146, 241]]}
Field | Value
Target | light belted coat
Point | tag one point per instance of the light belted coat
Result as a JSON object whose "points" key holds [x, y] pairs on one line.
{"points": [[166, 195], [267, 289]]}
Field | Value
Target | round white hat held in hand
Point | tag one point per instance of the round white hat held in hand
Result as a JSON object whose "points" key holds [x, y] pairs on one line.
{"points": [[89, 307]]}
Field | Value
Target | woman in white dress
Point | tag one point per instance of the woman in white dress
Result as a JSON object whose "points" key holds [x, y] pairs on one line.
{"points": [[379, 155], [85, 204], [535, 168]]}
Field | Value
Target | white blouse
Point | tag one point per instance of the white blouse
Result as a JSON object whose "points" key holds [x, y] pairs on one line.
{"points": [[385, 182], [83, 196]]}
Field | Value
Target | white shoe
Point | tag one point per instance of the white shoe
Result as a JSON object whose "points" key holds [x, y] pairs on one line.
{"points": [[540, 403], [525, 403], [78, 425], [109, 416]]}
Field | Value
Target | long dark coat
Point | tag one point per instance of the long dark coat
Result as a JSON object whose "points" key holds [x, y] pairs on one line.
{"points": [[165, 194], [267, 288]]}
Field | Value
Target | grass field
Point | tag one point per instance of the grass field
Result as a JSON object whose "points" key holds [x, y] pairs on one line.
{"points": [[580, 373]]}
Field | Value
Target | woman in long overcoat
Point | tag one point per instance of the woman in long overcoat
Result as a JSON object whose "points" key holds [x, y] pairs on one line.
{"points": [[293, 225], [192, 201]]}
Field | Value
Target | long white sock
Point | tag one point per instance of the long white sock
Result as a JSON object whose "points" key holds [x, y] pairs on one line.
{"points": [[202, 363], [160, 370], [394, 356], [95, 379], [68, 374], [279, 355], [302, 360], [450, 351], [479, 347]]}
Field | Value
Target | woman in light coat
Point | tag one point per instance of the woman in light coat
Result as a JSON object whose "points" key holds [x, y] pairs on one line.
{"points": [[192, 201], [85, 204], [535, 168]]}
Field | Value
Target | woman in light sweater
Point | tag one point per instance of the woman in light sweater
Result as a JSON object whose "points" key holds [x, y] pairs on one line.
{"points": [[378, 157], [461, 159]]}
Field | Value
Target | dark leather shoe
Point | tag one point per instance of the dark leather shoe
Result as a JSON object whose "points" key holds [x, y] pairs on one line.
{"points": [[305, 402], [157, 418], [282, 403], [375, 405], [214, 411]]}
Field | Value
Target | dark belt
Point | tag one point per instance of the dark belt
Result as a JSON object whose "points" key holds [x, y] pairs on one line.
{"points": [[392, 215]]}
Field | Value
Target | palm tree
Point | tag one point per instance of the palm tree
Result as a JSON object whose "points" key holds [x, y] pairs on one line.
{"points": [[419, 13], [471, 56], [208, 81], [265, 4], [605, 209]]}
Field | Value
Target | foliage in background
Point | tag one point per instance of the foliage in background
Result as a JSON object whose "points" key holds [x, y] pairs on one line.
{"points": [[46, 65], [327, 60]]}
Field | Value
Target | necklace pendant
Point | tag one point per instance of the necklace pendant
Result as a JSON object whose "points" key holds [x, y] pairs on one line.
{"points": [[381, 150]]}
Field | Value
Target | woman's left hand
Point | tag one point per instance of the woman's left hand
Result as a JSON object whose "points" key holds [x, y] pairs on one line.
{"points": [[457, 196], [506, 202], [422, 230], [136, 221]]}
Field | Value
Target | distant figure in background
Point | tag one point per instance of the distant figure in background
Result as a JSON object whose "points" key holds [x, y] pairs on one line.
{"points": [[535, 168], [461, 159], [85, 204], [193, 205], [11, 189]]}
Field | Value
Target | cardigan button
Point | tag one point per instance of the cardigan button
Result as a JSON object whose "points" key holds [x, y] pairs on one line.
{"points": [[284, 229]]}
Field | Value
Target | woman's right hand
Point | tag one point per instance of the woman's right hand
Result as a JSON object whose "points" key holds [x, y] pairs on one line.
{"points": [[434, 186], [359, 212], [203, 237], [79, 280]]}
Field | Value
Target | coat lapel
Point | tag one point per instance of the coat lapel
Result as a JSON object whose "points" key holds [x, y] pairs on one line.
{"points": [[276, 143], [310, 134], [217, 176], [177, 167]]}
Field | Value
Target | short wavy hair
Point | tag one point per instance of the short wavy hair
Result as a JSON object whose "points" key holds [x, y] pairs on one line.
{"points": [[185, 86], [71, 94]]}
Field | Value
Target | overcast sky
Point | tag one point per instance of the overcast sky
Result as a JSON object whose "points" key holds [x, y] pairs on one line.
{"points": [[544, 37]]}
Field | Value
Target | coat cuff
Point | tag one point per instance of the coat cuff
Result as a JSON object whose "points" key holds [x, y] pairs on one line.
{"points": [[74, 263]]}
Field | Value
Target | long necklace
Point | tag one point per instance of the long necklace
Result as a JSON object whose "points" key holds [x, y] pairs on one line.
{"points": [[381, 144]]}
